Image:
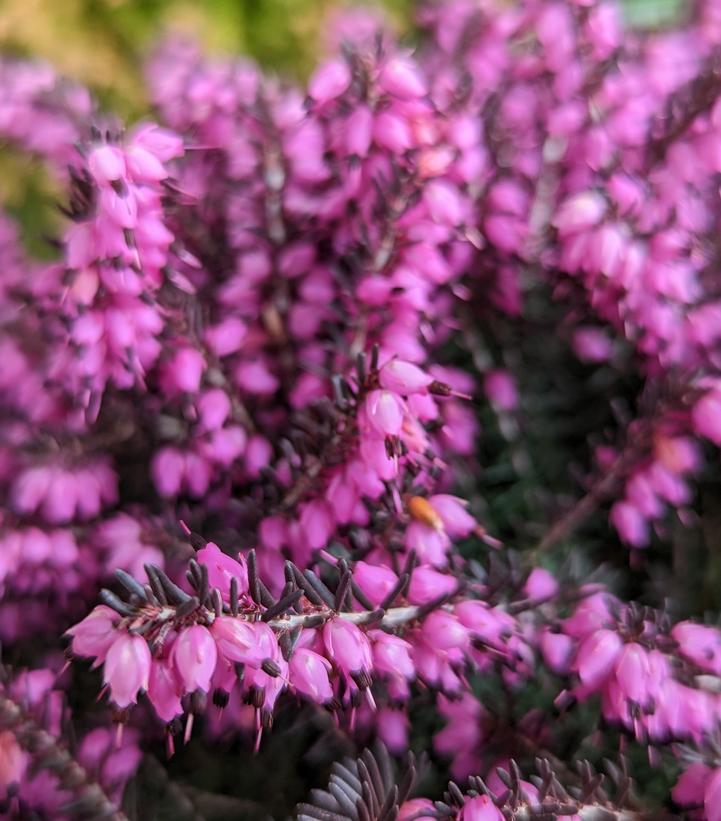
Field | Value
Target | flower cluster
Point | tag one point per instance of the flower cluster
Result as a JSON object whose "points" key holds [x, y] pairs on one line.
{"points": [[369, 638], [272, 318], [38, 777], [658, 681], [600, 151]]}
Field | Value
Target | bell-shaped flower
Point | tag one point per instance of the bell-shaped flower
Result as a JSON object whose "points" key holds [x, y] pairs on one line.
{"points": [[403, 378], [597, 656], [222, 569], [392, 655], [194, 655], [348, 647], [244, 642], [127, 668], [93, 636], [308, 672], [376, 581], [164, 690], [384, 412]]}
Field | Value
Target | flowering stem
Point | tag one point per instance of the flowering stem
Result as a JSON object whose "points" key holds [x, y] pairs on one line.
{"points": [[589, 812], [48, 753], [392, 618], [601, 489]]}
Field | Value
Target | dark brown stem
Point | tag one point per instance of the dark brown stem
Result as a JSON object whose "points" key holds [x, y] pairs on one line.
{"points": [[50, 754], [602, 489]]}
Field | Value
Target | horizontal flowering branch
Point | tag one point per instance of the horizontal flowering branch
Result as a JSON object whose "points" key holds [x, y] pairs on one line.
{"points": [[326, 645]]}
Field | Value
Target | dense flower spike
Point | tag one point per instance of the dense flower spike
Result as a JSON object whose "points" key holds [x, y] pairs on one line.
{"points": [[272, 318], [315, 640]]}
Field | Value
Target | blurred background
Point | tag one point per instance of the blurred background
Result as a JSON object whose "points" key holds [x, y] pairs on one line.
{"points": [[101, 42]]}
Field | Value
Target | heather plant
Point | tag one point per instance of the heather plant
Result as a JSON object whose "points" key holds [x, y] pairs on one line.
{"points": [[366, 420]]}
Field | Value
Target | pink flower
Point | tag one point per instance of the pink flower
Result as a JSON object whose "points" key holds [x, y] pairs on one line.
{"points": [[712, 797], [691, 785], [127, 668], [580, 212], [329, 81], [699, 643], [428, 584], [501, 390], [403, 378], [593, 612], [349, 649], [633, 673], [93, 636], [480, 808], [557, 650], [222, 569], [392, 727], [431, 545], [164, 690], [392, 132], [316, 523], [457, 521], [243, 641], [592, 345], [417, 809], [540, 585], [443, 631], [185, 370], [167, 468], [376, 581], [194, 655], [597, 656], [706, 416], [630, 523], [384, 411], [13, 760], [392, 655], [106, 164], [401, 77], [309, 675], [213, 408]]}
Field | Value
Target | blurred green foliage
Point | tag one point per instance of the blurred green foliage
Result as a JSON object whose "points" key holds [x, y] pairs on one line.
{"points": [[102, 42]]}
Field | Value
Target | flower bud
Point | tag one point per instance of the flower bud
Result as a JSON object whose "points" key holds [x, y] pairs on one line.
{"points": [[376, 581], [443, 631], [556, 649], [106, 164], [480, 808], [597, 656], [309, 673], [348, 647], [384, 411], [392, 655], [244, 642], [580, 212], [402, 78], [403, 378], [164, 690], [194, 655], [540, 585], [428, 584], [127, 668], [222, 569], [329, 81]]}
